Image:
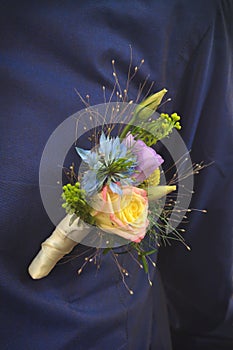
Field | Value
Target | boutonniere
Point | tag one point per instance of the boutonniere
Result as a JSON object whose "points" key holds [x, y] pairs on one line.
{"points": [[120, 194]]}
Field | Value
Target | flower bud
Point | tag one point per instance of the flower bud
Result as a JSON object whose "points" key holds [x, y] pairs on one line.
{"points": [[147, 107]]}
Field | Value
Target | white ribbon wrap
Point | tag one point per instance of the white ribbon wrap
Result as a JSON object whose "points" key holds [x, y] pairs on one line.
{"points": [[63, 239]]}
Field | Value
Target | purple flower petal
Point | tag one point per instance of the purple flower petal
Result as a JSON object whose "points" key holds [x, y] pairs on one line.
{"points": [[147, 159]]}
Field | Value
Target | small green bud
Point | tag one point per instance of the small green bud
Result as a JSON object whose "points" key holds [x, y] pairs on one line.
{"points": [[177, 126], [175, 117]]}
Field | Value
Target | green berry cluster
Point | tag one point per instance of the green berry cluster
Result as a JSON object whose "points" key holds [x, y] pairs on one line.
{"points": [[171, 121], [75, 202]]}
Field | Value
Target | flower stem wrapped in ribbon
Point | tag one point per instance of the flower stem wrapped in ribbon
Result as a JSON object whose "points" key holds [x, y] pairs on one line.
{"points": [[57, 245], [115, 192]]}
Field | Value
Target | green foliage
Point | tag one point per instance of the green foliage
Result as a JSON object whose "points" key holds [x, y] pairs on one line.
{"points": [[157, 129], [143, 254], [75, 202]]}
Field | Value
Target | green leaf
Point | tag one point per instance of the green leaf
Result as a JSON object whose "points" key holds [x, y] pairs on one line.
{"points": [[144, 263], [151, 252], [106, 250]]}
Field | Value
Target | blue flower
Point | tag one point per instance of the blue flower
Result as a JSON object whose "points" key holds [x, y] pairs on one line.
{"points": [[112, 164]]}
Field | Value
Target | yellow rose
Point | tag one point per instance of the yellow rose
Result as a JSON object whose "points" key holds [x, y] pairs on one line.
{"points": [[124, 215]]}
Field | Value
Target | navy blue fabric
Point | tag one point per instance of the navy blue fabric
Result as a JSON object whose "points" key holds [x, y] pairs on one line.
{"points": [[47, 50]]}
